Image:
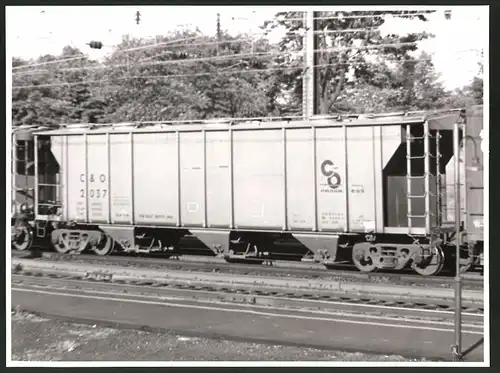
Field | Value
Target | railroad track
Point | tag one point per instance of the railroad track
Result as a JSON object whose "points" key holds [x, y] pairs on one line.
{"points": [[298, 298], [253, 311], [278, 269], [293, 288]]}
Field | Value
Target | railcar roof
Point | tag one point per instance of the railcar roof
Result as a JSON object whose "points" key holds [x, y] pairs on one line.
{"points": [[443, 119]]}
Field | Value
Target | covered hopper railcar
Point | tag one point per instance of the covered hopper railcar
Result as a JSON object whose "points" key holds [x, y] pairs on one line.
{"points": [[368, 189]]}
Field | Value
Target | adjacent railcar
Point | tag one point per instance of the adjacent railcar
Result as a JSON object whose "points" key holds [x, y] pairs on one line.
{"points": [[26, 229], [367, 189]]}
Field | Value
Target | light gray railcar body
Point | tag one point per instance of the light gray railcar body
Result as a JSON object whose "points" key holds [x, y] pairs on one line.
{"points": [[318, 175], [316, 179]]}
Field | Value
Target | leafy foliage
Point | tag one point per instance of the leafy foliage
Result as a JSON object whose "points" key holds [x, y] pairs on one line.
{"points": [[153, 85], [56, 103], [188, 75], [343, 45]]}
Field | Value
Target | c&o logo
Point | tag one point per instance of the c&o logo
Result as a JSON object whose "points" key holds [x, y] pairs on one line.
{"points": [[332, 177]]}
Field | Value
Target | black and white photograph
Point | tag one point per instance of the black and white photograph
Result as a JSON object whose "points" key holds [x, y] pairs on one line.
{"points": [[214, 185]]}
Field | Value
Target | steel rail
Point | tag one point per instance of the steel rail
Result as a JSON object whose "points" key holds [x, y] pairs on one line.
{"points": [[322, 301], [278, 269]]}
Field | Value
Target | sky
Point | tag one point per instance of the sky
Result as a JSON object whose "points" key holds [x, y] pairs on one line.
{"points": [[455, 49]]}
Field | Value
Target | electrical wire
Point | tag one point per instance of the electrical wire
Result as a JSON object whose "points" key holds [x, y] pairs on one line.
{"points": [[170, 42], [234, 41], [342, 17], [170, 76], [173, 42], [263, 34], [180, 61], [50, 62], [116, 52], [225, 72], [222, 72], [235, 56], [159, 44]]}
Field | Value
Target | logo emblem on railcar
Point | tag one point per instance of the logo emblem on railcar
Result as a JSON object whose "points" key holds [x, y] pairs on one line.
{"points": [[332, 176]]}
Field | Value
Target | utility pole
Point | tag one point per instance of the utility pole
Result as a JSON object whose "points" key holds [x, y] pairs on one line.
{"points": [[310, 86], [457, 347], [219, 33], [308, 89]]}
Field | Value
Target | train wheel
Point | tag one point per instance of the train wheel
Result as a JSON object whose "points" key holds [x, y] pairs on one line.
{"points": [[433, 266], [58, 242], [22, 237], [362, 258], [105, 247], [61, 247]]}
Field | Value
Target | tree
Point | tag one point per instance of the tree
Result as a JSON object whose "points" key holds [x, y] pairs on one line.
{"points": [[427, 92], [469, 95], [342, 48], [141, 87], [187, 75], [475, 89], [57, 103], [219, 78], [34, 105]]}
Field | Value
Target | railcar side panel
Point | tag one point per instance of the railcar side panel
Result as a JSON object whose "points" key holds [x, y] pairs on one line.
{"points": [[331, 179], [155, 178], [258, 179], [300, 177], [97, 179], [121, 178], [192, 178], [362, 164], [75, 178], [143, 170], [218, 179]]}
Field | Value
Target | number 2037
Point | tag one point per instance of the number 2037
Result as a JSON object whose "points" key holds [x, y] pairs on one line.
{"points": [[94, 193]]}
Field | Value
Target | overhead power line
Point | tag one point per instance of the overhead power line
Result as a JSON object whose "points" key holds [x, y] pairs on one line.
{"points": [[156, 45], [170, 42], [173, 42], [180, 61], [49, 62], [235, 56], [222, 72], [341, 17], [62, 60], [225, 71], [234, 41]]}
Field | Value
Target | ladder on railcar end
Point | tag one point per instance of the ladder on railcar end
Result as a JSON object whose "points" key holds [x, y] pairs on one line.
{"points": [[16, 166], [426, 157], [47, 193]]}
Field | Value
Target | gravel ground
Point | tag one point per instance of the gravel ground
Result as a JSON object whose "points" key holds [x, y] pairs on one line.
{"points": [[48, 339]]}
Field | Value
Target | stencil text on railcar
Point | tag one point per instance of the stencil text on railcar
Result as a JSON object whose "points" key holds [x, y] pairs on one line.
{"points": [[97, 192]]}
